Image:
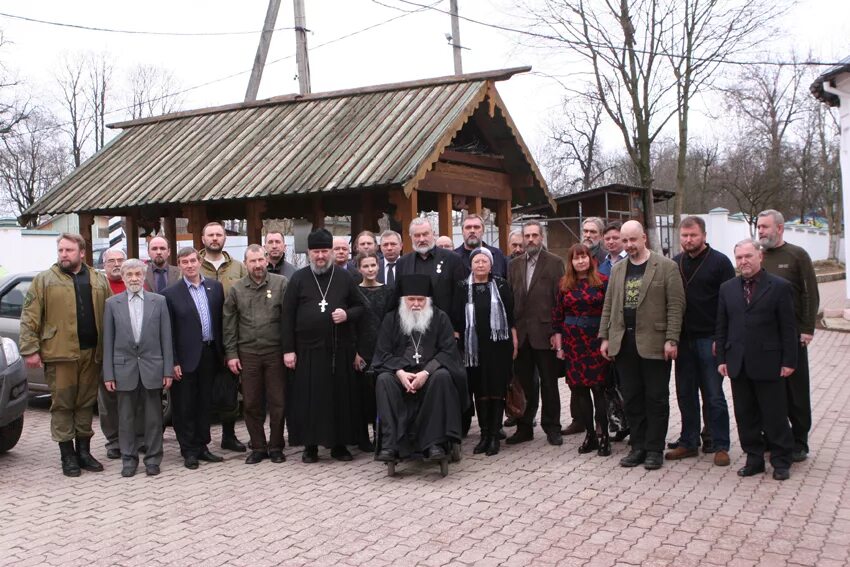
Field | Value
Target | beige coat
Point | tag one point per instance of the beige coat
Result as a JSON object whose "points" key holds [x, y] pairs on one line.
{"points": [[661, 307]]}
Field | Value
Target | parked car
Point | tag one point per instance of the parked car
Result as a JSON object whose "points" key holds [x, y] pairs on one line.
{"points": [[13, 394], [13, 290]]}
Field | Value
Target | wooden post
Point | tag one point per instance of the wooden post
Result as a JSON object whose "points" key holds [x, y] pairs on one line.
{"points": [[407, 209], [170, 225], [475, 206], [444, 209], [357, 226], [370, 220], [503, 221], [131, 233], [86, 220], [254, 215], [318, 213], [197, 215], [262, 51]]}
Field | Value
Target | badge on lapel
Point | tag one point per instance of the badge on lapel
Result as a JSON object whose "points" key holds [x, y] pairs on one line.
{"points": [[440, 267]]}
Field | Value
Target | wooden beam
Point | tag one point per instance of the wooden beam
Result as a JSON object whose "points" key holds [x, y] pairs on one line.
{"points": [[370, 219], [197, 216], [318, 213], [131, 233], [170, 225], [474, 206], [496, 163], [254, 215], [444, 208], [86, 220], [503, 221], [466, 180], [407, 208]]}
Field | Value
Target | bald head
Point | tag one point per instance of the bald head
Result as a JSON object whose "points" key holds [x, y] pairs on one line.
{"points": [[634, 240], [445, 242], [158, 251], [341, 250]]}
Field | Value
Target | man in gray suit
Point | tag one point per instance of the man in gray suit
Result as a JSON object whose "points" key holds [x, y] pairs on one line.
{"points": [[137, 363]]}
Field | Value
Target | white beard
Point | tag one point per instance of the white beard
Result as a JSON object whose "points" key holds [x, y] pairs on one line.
{"points": [[424, 249], [415, 321], [319, 271]]}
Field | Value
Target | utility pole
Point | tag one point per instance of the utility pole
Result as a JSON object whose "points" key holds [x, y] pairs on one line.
{"points": [[262, 51], [456, 37], [301, 57]]}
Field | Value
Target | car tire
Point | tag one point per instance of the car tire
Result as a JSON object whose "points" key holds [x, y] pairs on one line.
{"points": [[10, 434], [167, 408]]}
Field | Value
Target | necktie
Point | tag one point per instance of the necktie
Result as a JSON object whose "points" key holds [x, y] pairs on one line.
{"points": [[532, 262], [748, 290], [390, 273], [160, 280]]}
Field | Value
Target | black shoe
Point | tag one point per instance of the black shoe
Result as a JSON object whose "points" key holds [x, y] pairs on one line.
{"points": [[620, 435], [589, 444], [674, 444], [435, 453], [521, 436], [70, 465], [604, 446], [129, 468], [751, 470], [151, 470], [482, 444], [708, 446], [233, 444], [386, 456], [191, 462], [502, 435], [209, 457], [84, 456], [366, 446], [492, 446], [799, 455], [341, 453], [653, 460], [113, 454], [634, 458], [255, 457], [277, 456], [574, 428], [781, 474], [555, 438], [310, 454], [510, 422]]}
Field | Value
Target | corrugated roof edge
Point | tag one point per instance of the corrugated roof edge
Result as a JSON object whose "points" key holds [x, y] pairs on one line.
{"points": [[494, 75]]}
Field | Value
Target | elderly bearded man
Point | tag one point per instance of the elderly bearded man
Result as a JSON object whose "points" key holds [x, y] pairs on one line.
{"points": [[319, 308], [421, 385]]}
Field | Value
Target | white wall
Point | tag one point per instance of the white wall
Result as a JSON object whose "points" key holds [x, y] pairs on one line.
{"points": [[27, 250]]}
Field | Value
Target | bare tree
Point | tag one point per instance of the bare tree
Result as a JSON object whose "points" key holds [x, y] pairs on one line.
{"points": [[31, 161], [99, 84], [72, 85], [745, 177], [12, 111], [152, 92], [572, 153]]}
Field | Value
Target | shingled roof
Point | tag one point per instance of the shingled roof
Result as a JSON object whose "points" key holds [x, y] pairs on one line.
{"points": [[385, 136]]}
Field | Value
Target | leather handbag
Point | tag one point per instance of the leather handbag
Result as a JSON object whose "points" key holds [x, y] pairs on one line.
{"points": [[515, 400]]}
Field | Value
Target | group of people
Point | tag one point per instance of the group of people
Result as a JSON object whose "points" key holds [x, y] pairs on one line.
{"points": [[415, 345]]}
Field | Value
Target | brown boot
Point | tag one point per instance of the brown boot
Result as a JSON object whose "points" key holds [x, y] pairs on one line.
{"points": [[573, 428], [681, 453], [721, 458]]}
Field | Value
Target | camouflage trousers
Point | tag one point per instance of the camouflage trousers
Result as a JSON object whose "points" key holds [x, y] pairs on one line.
{"points": [[73, 388]]}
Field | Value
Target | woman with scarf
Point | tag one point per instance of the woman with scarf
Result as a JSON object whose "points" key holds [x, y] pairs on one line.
{"points": [[483, 318], [575, 320]]}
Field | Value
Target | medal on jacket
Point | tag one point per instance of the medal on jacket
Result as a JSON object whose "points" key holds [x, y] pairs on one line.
{"points": [[440, 267], [268, 294]]}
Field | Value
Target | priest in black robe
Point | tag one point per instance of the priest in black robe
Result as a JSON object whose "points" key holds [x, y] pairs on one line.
{"points": [[320, 308], [421, 388]]}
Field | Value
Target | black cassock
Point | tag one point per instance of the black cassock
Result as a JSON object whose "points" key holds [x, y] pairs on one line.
{"points": [[410, 423], [323, 397]]}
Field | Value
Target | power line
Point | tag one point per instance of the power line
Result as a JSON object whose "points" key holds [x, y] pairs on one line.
{"points": [[132, 32], [602, 45]]}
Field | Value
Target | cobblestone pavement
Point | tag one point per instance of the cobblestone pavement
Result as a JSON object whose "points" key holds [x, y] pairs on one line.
{"points": [[533, 504]]}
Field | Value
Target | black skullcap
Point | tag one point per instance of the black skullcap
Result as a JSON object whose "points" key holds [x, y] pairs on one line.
{"points": [[414, 284], [320, 239]]}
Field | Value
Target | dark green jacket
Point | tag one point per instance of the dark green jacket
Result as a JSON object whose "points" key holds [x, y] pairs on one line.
{"points": [[252, 316]]}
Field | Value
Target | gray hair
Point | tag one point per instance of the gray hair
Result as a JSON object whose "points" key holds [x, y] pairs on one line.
{"points": [[755, 244], [134, 264], [110, 251], [536, 223], [513, 233], [420, 221], [774, 214], [255, 248], [186, 251], [390, 233], [600, 226]]}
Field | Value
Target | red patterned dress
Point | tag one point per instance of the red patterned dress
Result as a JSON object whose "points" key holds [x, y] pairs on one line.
{"points": [[576, 316]]}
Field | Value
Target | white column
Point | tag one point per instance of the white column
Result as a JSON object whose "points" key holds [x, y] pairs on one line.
{"points": [[842, 90]]}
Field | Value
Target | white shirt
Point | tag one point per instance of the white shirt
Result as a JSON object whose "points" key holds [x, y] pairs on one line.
{"points": [[136, 301]]}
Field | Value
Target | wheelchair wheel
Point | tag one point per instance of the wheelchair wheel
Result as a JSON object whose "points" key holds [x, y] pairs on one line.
{"points": [[456, 453], [444, 467]]}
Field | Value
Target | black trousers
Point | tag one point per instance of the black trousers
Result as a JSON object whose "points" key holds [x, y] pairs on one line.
{"points": [[645, 386], [192, 399], [547, 365], [800, 400], [761, 406]]}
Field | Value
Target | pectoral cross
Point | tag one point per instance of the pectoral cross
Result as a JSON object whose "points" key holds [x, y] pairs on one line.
{"points": [[323, 304], [417, 357]]}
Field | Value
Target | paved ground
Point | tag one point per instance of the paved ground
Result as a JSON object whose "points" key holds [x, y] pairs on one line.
{"points": [[530, 505]]}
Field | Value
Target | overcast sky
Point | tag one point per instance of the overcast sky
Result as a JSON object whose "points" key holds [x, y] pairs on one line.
{"points": [[410, 47]]}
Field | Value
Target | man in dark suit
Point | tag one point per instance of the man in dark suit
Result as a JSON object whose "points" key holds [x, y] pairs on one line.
{"points": [[534, 278], [756, 344], [391, 252], [137, 364], [195, 304], [160, 274], [443, 266]]}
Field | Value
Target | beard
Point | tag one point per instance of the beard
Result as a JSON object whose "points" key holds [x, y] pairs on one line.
{"points": [[319, 270], [768, 242], [415, 321], [214, 247], [532, 249], [472, 242], [134, 287], [425, 248], [159, 261]]}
